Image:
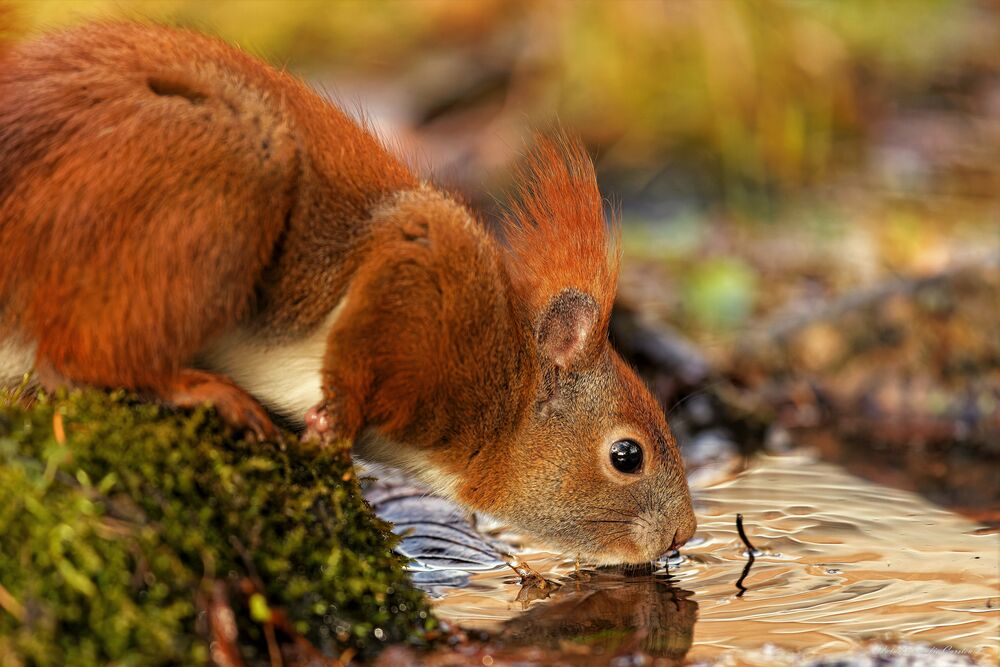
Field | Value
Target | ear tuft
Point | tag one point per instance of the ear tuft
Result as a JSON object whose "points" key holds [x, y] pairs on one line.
{"points": [[562, 255]]}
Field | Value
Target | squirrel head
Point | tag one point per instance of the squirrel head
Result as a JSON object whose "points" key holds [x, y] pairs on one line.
{"points": [[598, 472]]}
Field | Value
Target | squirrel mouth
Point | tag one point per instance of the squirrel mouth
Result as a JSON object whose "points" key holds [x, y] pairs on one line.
{"points": [[627, 551], [637, 550]]}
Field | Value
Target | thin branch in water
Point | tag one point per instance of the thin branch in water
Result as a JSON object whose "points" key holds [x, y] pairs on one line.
{"points": [[751, 554], [743, 536]]}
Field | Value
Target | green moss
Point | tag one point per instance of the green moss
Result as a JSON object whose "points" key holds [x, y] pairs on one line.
{"points": [[118, 543]]}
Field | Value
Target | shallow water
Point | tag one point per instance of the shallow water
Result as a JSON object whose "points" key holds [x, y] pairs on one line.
{"points": [[841, 561]]}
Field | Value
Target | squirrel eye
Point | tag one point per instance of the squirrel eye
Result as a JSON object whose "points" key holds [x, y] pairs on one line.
{"points": [[626, 456]]}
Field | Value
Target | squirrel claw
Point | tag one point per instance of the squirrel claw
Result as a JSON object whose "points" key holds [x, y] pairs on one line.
{"points": [[260, 427], [191, 388]]}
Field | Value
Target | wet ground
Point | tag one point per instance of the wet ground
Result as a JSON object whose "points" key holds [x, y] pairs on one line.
{"points": [[840, 563]]}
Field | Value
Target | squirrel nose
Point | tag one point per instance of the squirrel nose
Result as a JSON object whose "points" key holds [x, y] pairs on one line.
{"points": [[678, 540], [683, 533]]}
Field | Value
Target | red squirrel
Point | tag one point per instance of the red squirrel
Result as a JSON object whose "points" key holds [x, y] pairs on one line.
{"points": [[181, 219]]}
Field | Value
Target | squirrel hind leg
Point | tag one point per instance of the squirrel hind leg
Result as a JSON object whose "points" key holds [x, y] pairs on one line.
{"points": [[190, 388]]}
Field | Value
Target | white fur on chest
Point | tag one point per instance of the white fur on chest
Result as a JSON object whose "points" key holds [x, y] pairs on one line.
{"points": [[285, 377]]}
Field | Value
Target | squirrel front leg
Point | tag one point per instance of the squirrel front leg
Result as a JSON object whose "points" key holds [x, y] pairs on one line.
{"points": [[340, 416], [422, 339]]}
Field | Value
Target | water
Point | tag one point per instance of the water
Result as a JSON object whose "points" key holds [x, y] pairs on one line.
{"points": [[842, 561]]}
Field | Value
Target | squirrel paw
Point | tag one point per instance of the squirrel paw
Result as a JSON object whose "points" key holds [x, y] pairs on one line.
{"points": [[319, 425], [317, 422], [326, 423]]}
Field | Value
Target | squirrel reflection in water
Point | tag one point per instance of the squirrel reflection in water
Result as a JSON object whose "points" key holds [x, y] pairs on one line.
{"points": [[608, 613]]}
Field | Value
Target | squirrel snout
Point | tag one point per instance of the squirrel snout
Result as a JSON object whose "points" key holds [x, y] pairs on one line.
{"points": [[684, 532], [652, 539], [671, 535]]}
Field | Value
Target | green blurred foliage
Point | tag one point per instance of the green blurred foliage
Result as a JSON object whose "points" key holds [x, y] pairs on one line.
{"points": [[720, 293]]}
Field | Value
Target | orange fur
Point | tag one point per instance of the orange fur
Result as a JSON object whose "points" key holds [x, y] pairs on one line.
{"points": [[173, 211]]}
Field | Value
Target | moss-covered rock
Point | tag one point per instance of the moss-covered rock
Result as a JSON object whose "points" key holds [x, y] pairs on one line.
{"points": [[131, 534]]}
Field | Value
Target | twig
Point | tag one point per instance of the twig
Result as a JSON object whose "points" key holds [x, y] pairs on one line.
{"points": [[533, 585], [225, 651], [277, 620], [272, 646], [247, 561], [743, 535], [57, 428], [783, 325], [10, 604], [751, 553], [307, 651]]}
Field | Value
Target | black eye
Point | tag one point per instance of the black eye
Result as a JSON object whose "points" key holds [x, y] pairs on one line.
{"points": [[626, 456]]}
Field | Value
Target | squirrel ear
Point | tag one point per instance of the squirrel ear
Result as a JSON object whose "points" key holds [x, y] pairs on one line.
{"points": [[568, 328], [562, 255]]}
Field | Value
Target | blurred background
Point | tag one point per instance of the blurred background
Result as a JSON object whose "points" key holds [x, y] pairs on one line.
{"points": [[809, 193]]}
